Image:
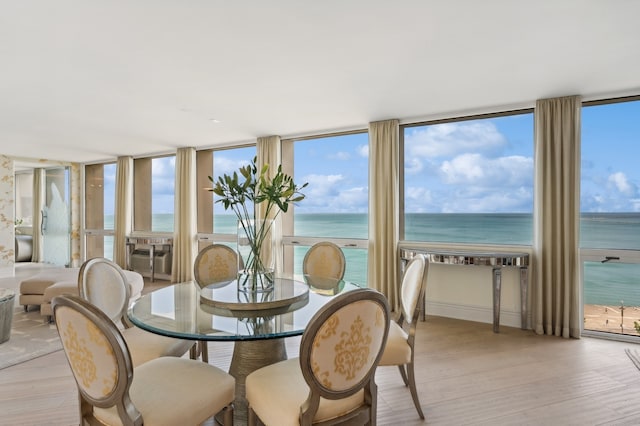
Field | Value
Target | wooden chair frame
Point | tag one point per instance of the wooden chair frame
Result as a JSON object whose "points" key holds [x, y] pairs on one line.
{"points": [[120, 394], [407, 371], [319, 245], [212, 247], [365, 414], [84, 287]]}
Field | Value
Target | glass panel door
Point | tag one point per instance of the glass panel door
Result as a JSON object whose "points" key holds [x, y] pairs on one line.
{"points": [[56, 218], [610, 217]]}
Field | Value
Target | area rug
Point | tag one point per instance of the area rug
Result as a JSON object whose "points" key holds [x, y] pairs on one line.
{"points": [[30, 338], [634, 356]]}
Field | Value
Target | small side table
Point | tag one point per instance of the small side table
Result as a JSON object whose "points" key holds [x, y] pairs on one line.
{"points": [[7, 297]]}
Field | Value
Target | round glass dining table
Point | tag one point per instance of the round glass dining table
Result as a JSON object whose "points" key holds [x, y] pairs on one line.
{"points": [[257, 323]]}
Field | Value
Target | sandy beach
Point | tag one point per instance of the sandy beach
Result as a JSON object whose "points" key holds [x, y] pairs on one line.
{"points": [[612, 319]]}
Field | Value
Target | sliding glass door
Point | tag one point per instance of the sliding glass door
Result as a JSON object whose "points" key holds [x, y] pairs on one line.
{"points": [[610, 217], [56, 217]]}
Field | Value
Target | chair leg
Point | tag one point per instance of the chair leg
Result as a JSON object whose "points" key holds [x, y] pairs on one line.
{"points": [[228, 415], [414, 391], [204, 350], [252, 418], [403, 373]]}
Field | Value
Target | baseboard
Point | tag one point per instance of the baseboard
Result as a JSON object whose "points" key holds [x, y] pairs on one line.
{"points": [[472, 313]]}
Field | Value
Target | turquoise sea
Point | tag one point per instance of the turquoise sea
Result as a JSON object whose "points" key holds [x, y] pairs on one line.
{"points": [[605, 283]]}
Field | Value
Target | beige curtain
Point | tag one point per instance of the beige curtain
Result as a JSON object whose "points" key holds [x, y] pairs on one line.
{"points": [[185, 208], [556, 293], [38, 206], [269, 152], [123, 209], [75, 208], [383, 209]]}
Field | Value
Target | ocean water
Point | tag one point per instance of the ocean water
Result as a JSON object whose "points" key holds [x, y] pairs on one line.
{"points": [[604, 283]]}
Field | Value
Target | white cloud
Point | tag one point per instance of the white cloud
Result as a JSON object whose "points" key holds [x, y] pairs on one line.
{"points": [[351, 199], [163, 176], [418, 199], [363, 151], [328, 193], [340, 156], [488, 200], [449, 139], [321, 186], [621, 183], [477, 170], [224, 165], [413, 165]]}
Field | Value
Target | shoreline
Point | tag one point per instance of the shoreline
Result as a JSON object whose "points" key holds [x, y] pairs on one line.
{"points": [[610, 319]]}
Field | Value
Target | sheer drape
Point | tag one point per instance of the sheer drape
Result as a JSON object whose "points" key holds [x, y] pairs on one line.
{"points": [[556, 294], [269, 152], [383, 209], [38, 206], [185, 209], [123, 209]]}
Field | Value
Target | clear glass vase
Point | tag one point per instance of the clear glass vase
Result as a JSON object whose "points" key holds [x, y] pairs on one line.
{"points": [[255, 256]]}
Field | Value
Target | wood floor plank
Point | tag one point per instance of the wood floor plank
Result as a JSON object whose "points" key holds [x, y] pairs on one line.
{"points": [[466, 374]]}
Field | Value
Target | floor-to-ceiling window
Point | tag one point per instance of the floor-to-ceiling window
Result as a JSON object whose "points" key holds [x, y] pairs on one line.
{"points": [[99, 209], [154, 191], [469, 180], [215, 224], [610, 216], [336, 167]]}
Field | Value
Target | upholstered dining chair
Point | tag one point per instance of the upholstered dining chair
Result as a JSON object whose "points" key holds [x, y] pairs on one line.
{"points": [[324, 259], [216, 263], [163, 391], [102, 283], [332, 381], [400, 348]]}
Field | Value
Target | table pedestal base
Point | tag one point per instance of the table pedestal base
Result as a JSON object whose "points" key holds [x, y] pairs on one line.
{"points": [[248, 356]]}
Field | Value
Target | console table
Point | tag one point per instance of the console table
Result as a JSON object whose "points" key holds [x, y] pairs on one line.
{"points": [[497, 261], [152, 243]]}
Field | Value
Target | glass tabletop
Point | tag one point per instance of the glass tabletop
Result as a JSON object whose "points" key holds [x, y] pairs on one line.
{"points": [[221, 312]]}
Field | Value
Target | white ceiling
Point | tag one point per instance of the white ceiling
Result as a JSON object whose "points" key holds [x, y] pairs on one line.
{"points": [[88, 80]]}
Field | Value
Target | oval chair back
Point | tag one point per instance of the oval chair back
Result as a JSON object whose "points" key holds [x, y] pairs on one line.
{"points": [[97, 355], [340, 350], [324, 260], [102, 283], [214, 264]]}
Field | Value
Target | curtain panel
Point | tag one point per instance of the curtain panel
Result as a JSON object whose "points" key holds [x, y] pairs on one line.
{"points": [[556, 293], [38, 206], [75, 208], [123, 209], [184, 213], [269, 151], [384, 209]]}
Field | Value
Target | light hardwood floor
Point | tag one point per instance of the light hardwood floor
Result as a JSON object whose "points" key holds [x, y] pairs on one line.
{"points": [[466, 375]]}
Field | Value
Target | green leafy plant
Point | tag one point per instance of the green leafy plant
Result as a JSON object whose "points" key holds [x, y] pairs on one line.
{"points": [[250, 186]]}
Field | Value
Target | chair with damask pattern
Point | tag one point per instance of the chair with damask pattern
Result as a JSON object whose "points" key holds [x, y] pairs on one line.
{"points": [[214, 264], [333, 379], [102, 283], [325, 260], [166, 390], [399, 349]]}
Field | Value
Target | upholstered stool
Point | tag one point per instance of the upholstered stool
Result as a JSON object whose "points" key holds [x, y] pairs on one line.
{"points": [[41, 288], [135, 280], [32, 289]]}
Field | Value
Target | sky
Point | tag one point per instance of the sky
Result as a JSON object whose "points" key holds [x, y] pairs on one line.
{"points": [[475, 166]]}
